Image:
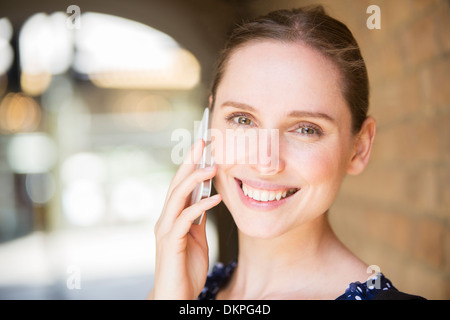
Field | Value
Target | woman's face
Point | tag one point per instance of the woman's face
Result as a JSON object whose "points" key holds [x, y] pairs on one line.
{"points": [[288, 96]]}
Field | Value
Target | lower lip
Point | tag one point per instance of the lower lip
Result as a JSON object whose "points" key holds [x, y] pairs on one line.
{"points": [[260, 205]]}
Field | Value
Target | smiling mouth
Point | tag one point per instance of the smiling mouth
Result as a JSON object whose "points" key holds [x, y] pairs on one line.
{"points": [[263, 195]]}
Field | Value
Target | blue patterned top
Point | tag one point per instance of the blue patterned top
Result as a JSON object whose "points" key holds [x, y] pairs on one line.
{"points": [[355, 291]]}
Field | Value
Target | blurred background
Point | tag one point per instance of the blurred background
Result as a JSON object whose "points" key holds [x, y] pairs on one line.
{"points": [[91, 92]]}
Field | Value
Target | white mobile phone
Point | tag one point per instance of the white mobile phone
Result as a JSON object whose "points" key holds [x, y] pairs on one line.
{"points": [[203, 189]]}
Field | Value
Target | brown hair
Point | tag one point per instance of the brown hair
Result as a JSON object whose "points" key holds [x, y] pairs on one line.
{"points": [[310, 26]]}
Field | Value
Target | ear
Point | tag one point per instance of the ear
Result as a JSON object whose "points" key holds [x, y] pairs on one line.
{"points": [[362, 147]]}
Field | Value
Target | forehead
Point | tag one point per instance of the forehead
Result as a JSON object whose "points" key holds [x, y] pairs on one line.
{"points": [[284, 76]]}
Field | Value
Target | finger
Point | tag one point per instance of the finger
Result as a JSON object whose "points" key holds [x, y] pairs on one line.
{"points": [[185, 168], [189, 163], [198, 232], [181, 194], [184, 223]]}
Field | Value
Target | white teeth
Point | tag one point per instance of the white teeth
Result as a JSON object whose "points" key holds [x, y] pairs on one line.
{"points": [[265, 195], [271, 196], [244, 188]]}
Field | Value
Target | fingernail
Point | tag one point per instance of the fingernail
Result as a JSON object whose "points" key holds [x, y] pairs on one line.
{"points": [[214, 197], [199, 141]]}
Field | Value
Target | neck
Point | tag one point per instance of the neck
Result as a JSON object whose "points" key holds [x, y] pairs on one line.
{"points": [[293, 255]]}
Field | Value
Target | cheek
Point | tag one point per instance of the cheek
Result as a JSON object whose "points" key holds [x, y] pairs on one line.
{"points": [[219, 153], [319, 164], [218, 146]]}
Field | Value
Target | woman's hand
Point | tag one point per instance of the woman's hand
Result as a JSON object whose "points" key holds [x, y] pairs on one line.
{"points": [[181, 247]]}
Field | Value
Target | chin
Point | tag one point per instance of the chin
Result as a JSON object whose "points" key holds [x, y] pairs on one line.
{"points": [[269, 210], [260, 226]]}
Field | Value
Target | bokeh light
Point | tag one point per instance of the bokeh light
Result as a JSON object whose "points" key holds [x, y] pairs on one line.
{"points": [[40, 187], [19, 113], [31, 153]]}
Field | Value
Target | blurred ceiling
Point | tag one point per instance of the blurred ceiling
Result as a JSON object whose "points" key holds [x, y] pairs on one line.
{"points": [[200, 26]]}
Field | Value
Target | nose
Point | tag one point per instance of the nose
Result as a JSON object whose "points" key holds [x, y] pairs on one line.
{"points": [[268, 160]]}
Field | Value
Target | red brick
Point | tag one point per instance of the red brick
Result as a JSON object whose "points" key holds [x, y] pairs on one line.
{"points": [[345, 216], [392, 59], [444, 131], [442, 21], [446, 286], [428, 242], [447, 250], [400, 233], [423, 281], [377, 225], [444, 190], [420, 6], [370, 184], [395, 14], [419, 41], [412, 188], [414, 140], [421, 187], [396, 99], [435, 81], [390, 228]]}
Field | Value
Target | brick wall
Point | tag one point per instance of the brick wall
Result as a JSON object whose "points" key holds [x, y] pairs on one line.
{"points": [[397, 213]]}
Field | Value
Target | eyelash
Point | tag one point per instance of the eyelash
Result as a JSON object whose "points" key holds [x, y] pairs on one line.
{"points": [[317, 131], [232, 119]]}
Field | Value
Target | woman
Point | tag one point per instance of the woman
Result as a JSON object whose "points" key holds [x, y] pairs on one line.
{"points": [[300, 74]]}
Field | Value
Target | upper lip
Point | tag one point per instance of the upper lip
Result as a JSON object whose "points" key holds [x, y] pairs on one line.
{"points": [[263, 185]]}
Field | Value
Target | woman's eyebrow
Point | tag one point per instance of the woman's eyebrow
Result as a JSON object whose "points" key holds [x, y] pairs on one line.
{"points": [[311, 114], [293, 114], [238, 105]]}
